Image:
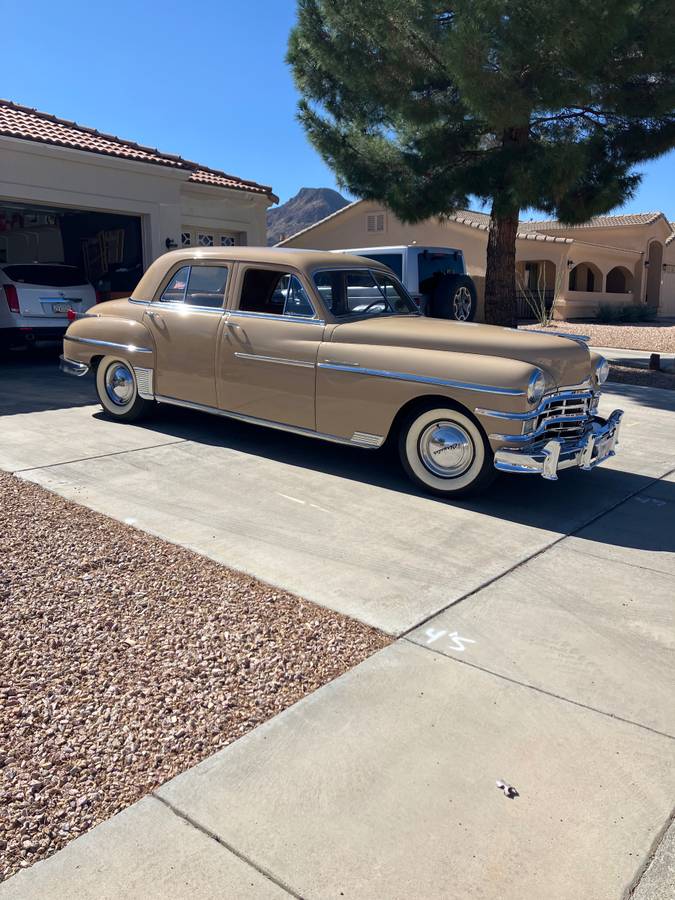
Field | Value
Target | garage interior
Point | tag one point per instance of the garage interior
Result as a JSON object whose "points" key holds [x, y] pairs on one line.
{"points": [[107, 247]]}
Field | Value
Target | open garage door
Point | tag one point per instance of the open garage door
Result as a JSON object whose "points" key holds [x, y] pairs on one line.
{"points": [[106, 247]]}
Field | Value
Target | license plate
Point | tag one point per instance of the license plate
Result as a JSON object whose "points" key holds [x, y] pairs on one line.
{"points": [[60, 308]]}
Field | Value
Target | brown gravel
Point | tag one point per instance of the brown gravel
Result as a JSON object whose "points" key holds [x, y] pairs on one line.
{"points": [[641, 377], [656, 337], [124, 660]]}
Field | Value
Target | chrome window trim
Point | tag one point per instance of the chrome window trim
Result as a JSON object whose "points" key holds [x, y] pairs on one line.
{"points": [[354, 441], [305, 320], [422, 379], [539, 410], [129, 348], [168, 304], [276, 359], [142, 302]]}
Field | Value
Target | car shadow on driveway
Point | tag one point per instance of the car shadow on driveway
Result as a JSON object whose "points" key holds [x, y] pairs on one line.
{"points": [[564, 506], [30, 381]]}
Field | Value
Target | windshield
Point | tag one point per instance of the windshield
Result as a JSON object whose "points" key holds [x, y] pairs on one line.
{"points": [[363, 292], [48, 276], [433, 265]]}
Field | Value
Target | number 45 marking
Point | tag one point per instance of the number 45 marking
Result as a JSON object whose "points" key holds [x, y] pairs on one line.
{"points": [[456, 642]]}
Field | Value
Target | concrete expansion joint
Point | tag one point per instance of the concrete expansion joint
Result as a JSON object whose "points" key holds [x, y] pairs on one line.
{"points": [[68, 462], [242, 856], [523, 562], [539, 690], [632, 892]]}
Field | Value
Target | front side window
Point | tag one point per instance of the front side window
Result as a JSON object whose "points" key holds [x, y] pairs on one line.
{"points": [[363, 292], [274, 293], [197, 286]]}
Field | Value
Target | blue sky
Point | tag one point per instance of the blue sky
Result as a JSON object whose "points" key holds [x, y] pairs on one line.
{"points": [[207, 81]]}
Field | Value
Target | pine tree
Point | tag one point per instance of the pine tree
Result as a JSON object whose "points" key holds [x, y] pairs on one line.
{"points": [[421, 104]]}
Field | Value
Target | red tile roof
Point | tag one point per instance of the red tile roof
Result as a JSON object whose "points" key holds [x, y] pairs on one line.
{"points": [[28, 124]]}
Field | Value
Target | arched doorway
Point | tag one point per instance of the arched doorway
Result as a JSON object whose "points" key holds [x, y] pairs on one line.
{"points": [[654, 274], [619, 281], [585, 277]]}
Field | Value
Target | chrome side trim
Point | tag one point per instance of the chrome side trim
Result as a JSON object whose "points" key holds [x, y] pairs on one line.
{"points": [[422, 379], [276, 359], [305, 320], [144, 382], [130, 348], [267, 423], [71, 367], [539, 410]]}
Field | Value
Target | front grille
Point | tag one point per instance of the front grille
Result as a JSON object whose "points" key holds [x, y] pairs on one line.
{"points": [[566, 417]]}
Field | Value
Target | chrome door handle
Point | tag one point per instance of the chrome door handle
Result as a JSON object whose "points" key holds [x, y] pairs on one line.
{"points": [[154, 315]]}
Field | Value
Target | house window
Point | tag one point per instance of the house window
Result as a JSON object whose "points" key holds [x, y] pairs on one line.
{"points": [[205, 240], [375, 222], [227, 240], [186, 239]]}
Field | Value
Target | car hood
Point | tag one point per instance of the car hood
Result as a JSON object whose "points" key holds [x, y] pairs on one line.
{"points": [[566, 361]]}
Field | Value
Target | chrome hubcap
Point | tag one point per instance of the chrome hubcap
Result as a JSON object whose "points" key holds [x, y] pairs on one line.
{"points": [[119, 384], [462, 304], [446, 449]]}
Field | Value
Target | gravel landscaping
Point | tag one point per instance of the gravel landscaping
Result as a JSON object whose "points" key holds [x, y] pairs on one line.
{"points": [[125, 659], [656, 337]]}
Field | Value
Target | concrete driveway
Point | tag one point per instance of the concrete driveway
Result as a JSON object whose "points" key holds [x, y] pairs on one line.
{"points": [[535, 646]]}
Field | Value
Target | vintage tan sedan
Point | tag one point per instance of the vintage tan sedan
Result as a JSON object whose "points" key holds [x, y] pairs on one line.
{"points": [[332, 346]]}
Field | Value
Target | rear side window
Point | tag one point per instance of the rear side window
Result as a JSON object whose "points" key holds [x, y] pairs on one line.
{"points": [[197, 286], [393, 260], [46, 276], [274, 293]]}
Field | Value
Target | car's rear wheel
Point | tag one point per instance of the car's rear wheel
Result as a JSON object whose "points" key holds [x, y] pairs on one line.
{"points": [[445, 452], [118, 392]]}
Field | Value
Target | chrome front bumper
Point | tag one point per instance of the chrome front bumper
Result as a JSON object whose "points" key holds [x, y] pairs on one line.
{"points": [[70, 367], [546, 459]]}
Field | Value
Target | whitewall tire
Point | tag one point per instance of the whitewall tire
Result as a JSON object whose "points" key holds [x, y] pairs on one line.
{"points": [[118, 392], [445, 452]]}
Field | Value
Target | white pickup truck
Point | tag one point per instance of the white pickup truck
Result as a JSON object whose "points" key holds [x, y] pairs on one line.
{"points": [[435, 277]]}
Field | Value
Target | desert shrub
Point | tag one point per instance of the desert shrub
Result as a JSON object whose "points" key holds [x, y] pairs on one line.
{"points": [[608, 314]]}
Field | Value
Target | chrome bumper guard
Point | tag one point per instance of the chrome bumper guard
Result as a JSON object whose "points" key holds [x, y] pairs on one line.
{"points": [[587, 452], [70, 367]]}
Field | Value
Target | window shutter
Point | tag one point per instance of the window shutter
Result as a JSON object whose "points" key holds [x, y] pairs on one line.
{"points": [[375, 222]]}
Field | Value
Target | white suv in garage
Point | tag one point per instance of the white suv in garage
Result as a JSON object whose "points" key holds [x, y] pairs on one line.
{"points": [[435, 277], [35, 299]]}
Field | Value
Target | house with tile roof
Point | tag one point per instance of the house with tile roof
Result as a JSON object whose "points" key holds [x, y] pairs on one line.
{"points": [[609, 260], [71, 194]]}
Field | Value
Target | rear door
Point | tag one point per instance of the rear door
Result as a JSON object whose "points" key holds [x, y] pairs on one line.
{"points": [[185, 322], [48, 292]]}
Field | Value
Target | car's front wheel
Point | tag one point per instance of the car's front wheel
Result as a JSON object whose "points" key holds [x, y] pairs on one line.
{"points": [[445, 452], [118, 392]]}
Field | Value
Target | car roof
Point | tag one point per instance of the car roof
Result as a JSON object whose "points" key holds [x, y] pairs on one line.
{"points": [[286, 256]]}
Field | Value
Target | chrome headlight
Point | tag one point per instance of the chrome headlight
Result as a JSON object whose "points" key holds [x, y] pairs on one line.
{"points": [[536, 387], [601, 370]]}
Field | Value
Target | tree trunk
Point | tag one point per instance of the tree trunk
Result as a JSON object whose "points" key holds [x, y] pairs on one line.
{"points": [[500, 275]]}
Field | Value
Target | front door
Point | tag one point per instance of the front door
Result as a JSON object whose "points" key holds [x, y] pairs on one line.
{"points": [[185, 323], [270, 341]]}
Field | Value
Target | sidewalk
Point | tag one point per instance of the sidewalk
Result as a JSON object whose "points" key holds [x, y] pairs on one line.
{"points": [[635, 357]]}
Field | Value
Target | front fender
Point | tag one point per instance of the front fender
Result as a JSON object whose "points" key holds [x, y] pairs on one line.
{"points": [[361, 387]]}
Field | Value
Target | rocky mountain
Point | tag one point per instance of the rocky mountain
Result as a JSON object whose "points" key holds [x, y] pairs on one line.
{"points": [[307, 207]]}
